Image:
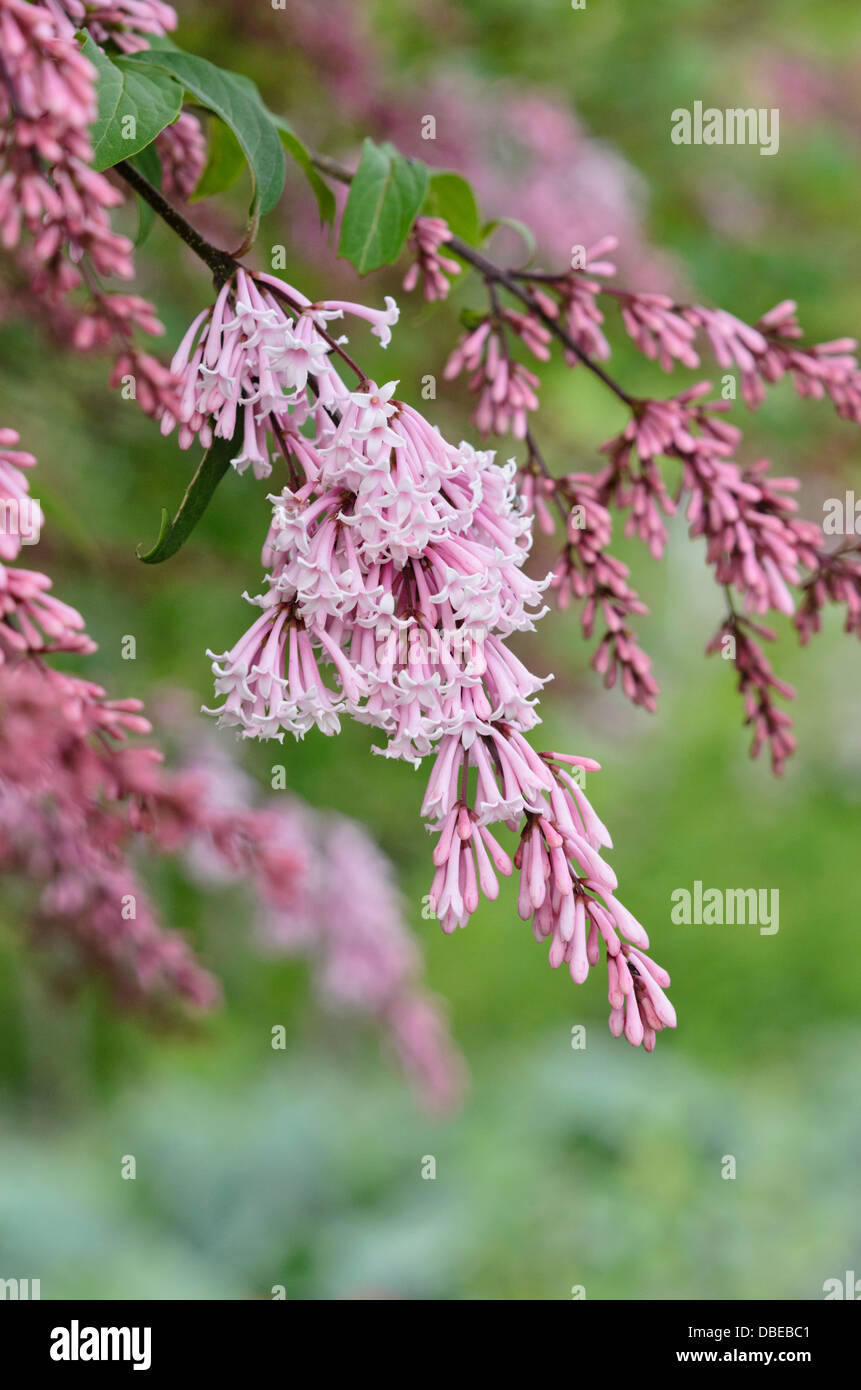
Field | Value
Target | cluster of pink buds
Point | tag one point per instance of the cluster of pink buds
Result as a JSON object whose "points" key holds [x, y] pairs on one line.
{"points": [[127, 23], [836, 579], [572, 300], [758, 686], [49, 191], [506, 389], [430, 267], [71, 792], [47, 104], [566, 889], [182, 150], [32, 620], [586, 571], [770, 349]]}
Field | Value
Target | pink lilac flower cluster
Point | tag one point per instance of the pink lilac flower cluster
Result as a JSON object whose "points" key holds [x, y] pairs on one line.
{"points": [[566, 888], [764, 352], [755, 542], [758, 686], [32, 620], [256, 364], [395, 579], [66, 792], [586, 571], [71, 792], [837, 580], [666, 332]]}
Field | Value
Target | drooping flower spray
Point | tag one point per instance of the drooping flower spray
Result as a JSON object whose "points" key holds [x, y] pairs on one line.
{"points": [[395, 579]]}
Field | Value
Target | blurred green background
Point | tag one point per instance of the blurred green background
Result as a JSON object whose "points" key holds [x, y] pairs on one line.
{"points": [[602, 1167]]}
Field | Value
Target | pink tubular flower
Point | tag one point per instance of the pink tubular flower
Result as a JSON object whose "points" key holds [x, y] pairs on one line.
{"points": [[258, 363]]}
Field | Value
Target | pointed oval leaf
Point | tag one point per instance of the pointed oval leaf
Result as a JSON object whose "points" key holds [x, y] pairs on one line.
{"points": [[450, 197], [133, 107], [385, 198], [236, 100]]}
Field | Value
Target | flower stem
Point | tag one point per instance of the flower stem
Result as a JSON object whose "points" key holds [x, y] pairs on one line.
{"points": [[221, 263]]}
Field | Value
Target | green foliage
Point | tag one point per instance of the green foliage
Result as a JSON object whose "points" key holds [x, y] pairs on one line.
{"points": [[237, 102], [198, 495], [225, 161], [321, 190], [134, 106], [450, 196], [385, 198]]}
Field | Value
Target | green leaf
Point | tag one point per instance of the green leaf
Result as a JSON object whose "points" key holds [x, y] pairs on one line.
{"points": [[198, 496], [149, 164], [451, 198], [520, 228], [471, 319], [224, 164], [295, 147], [385, 198], [237, 101], [133, 106]]}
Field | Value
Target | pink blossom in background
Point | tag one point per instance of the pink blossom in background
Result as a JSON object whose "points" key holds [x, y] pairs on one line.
{"points": [[47, 104], [347, 919], [181, 148], [525, 151], [78, 802]]}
